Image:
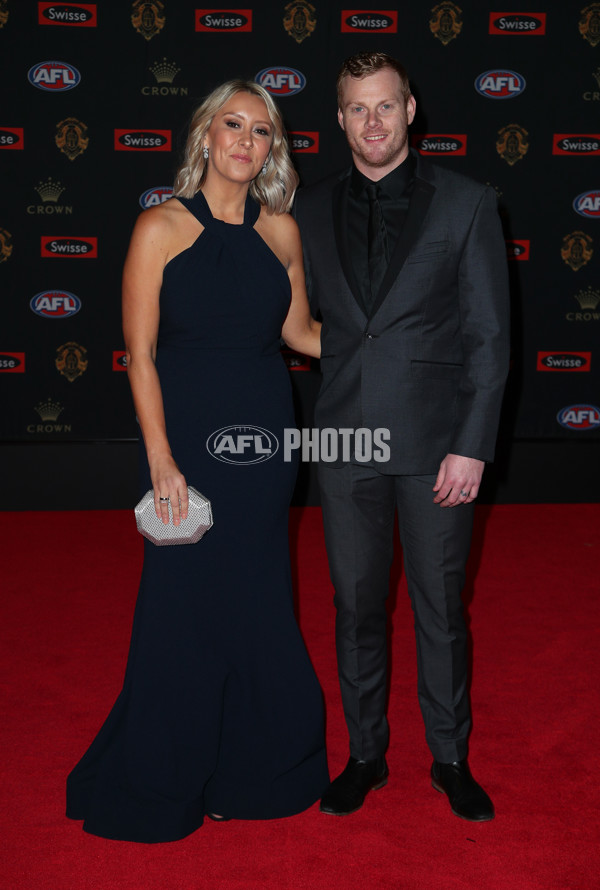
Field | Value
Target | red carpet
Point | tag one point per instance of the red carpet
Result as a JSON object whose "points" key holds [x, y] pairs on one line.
{"points": [[69, 585]]}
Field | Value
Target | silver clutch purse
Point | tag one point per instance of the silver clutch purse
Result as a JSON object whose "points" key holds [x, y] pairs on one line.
{"points": [[189, 531]]}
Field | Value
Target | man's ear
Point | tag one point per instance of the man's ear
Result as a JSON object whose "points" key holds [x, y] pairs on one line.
{"points": [[340, 118], [411, 108]]}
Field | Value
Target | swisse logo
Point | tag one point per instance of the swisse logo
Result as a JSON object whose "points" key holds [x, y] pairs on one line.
{"points": [[295, 361], [440, 144], [517, 249], [69, 247], [380, 21], [242, 444], [223, 19], [498, 84], [142, 140], [54, 77], [82, 15], [517, 23], [588, 204], [157, 195], [11, 137], [281, 81], [573, 144], [119, 360], [564, 361], [12, 362], [579, 417], [55, 304], [304, 141]]}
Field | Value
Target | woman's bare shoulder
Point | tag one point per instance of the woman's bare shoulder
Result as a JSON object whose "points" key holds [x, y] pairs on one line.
{"points": [[162, 218], [167, 228], [281, 223], [280, 229]]}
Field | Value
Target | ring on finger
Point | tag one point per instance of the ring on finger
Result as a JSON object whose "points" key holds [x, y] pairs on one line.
{"points": [[163, 500], [464, 494]]}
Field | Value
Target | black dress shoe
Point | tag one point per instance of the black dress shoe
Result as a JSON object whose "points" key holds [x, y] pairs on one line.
{"points": [[347, 793], [467, 799]]}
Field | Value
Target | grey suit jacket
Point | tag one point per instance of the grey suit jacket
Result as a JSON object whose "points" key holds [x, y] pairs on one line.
{"points": [[429, 362]]}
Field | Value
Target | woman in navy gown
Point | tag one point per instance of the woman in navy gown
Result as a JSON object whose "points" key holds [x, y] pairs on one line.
{"points": [[220, 713]]}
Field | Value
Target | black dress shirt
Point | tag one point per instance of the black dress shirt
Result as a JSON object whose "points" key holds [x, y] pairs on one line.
{"points": [[394, 196]]}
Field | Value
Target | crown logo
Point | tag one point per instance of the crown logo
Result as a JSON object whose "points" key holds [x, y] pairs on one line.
{"points": [[596, 75], [588, 298], [164, 71], [49, 410], [49, 190], [496, 188]]}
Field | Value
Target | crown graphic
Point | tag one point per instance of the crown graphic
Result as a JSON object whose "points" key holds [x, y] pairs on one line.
{"points": [[588, 298], [164, 71], [48, 410], [596, 74], [49, 190]]}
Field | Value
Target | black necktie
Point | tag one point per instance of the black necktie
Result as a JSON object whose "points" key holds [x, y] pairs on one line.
{"points": [[376, 240]]}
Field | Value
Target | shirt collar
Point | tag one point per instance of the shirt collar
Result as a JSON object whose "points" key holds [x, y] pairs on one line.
{"points": [[393, 184]]}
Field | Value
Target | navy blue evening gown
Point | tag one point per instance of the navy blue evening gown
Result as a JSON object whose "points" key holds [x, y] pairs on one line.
{"points": [[220, 710]]}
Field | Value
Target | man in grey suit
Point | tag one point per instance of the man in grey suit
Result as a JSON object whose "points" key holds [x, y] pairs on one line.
{"points": [[406, 264]]}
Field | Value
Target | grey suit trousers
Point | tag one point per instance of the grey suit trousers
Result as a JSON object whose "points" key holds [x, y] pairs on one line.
{"points": [[359, 504]]}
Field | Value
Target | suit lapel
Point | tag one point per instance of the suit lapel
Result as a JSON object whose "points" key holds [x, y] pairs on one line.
{"points": [[340, 215], [420, 200]]}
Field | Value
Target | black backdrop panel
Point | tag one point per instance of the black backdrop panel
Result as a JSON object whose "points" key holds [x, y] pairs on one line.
{"points": [[96, 98]]}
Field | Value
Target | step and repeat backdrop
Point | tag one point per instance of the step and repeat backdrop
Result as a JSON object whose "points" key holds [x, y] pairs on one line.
{"points": [[96, 100]]}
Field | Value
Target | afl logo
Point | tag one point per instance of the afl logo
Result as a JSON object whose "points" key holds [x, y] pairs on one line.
{"points": [[281, 81], [54, 77], [158, 195], [242, 444], [497, 84], [55, 304], [588, 204], [579, 417]]}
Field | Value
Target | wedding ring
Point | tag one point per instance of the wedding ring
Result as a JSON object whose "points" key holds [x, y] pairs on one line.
{"points": [[163, 499], [463, 494]]}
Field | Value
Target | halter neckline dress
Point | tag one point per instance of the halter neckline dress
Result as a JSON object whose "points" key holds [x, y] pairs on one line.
{"points": [[220, 710]]}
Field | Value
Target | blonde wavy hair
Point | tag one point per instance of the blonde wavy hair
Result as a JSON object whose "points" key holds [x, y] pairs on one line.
{"points": [[276, 187]]}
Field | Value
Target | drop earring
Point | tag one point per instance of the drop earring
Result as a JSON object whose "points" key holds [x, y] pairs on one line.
{"points": [[264, 167], [205, 152]]}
